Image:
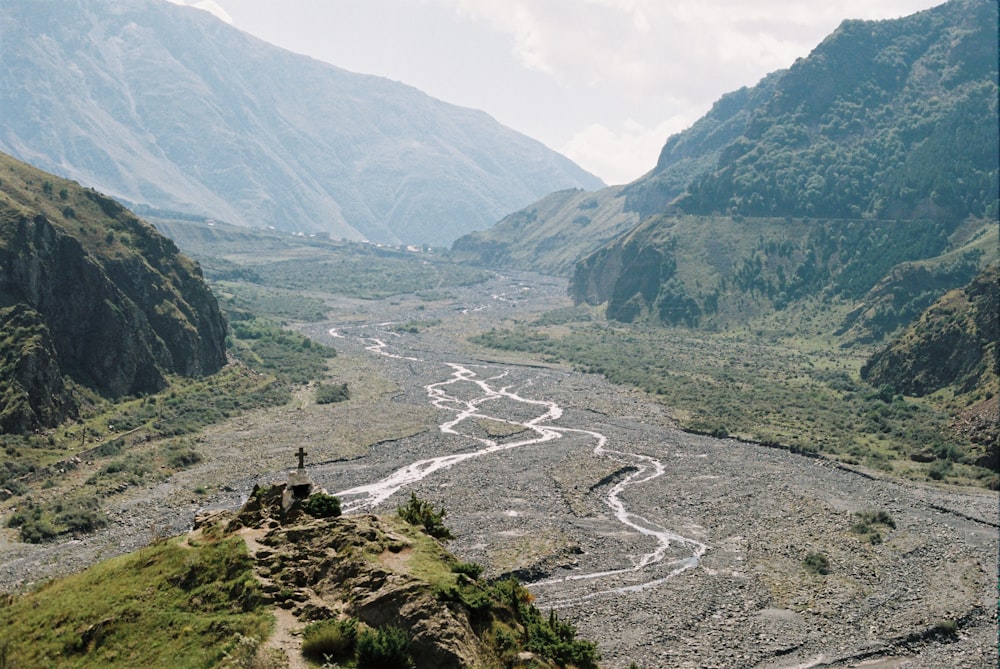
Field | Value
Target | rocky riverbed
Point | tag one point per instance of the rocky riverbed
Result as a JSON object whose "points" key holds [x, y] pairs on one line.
{"points": [[668, 549]]}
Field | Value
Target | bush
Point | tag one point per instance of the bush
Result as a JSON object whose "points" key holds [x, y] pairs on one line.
{"points": [[328, 640], [817, 563], [322, 505], [420, 512], [384, 648], [471, 569], [38, 531], [329, 394], [868, 522]]}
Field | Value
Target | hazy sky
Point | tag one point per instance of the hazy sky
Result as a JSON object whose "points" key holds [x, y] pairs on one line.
{"points": [[604, 82]]}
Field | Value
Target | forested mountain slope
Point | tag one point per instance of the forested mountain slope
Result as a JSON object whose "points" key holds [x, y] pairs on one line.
{"points": [[888, 119], [167, 107], [883, 120], [869, 175]]}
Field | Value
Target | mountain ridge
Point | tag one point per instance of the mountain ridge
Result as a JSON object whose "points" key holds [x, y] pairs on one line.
{"points": [[919, 144], [162, 105]]}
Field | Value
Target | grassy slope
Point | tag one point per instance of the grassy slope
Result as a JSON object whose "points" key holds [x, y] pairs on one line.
{"points": [[172, 604], [575, 223]]}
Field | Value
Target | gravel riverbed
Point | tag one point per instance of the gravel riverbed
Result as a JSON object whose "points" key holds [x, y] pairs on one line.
{"points": [[730, 523]]}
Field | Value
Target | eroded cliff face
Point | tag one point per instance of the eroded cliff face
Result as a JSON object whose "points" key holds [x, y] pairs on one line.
{"points": [[34, 392], [119, 304], [953, 345]]}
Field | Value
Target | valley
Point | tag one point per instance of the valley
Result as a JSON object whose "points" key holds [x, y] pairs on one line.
{"points": [[665, 547]]}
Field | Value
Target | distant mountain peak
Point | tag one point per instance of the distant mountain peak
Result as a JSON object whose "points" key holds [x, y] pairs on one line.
{"points": [[166, 106]]}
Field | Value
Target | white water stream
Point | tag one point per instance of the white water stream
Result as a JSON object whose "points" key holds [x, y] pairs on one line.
{"points": [[643, 468]]}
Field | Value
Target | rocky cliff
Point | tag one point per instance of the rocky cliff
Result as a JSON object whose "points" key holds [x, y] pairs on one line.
{"points": [[108, 300]]}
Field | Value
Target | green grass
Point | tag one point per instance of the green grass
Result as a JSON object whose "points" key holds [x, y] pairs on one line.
{"points": [[166, 605]]}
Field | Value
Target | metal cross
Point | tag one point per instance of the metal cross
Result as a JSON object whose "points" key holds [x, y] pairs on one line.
{"points": [[302, 458]]}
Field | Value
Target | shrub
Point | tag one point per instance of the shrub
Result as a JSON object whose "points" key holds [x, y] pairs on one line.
{"points": [[329, 394], [817, 563], [37, 531], [328, 640], [384, 648], [868, 522], [322, 505], [946, 627], [471, 569], [420, 512]]}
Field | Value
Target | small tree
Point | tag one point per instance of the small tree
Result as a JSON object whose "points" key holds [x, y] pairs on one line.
{"points": [[322, 505], [420, 512], [384, 648]]}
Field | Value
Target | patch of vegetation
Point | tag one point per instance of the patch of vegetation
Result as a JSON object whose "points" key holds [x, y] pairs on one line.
{"points": [[330, 393], [548, 636], [420, 513], [165, 605], [360, 272], [869, 525], [471, 569], [45, 521], [330, 640], [413, 327], [817, 563], [384, 648], [794, 391], [268, 302], [321, 505], [266, 346]]}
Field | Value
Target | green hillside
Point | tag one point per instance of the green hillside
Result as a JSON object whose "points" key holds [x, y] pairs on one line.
{"points": [[888, 119], [883, 121]]}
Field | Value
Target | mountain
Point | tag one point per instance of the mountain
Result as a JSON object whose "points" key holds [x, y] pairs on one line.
{"points": [[168, 109], [883, 120], [551, 235], [91, 294]]}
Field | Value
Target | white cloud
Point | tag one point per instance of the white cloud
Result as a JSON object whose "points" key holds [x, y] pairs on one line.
{"points": [[658, 59], [616, 154]]}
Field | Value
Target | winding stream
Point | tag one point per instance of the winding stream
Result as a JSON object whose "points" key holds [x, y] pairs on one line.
{"points": [[641, 469]]}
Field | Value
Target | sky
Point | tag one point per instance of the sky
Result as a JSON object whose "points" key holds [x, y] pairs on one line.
{"points": [[604, 82]]}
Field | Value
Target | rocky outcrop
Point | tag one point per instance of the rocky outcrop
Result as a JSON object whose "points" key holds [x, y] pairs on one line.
{"points": [[120, 306], [35, 392], [383, 572], [953, 345]]}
